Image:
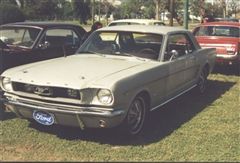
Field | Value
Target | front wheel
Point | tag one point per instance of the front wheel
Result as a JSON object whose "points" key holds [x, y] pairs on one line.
{"points": [[136, 116], [2, 112]]}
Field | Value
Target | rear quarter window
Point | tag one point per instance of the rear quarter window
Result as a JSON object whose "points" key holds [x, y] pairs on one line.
{"points": [[224, 31]]}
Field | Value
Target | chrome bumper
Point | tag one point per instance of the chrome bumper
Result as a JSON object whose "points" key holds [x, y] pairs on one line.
{"points": [[66, 114], [227, 59]]}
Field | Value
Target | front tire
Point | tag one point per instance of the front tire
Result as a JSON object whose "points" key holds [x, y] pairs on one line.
{"points": [[2, 112], [136, 116]]}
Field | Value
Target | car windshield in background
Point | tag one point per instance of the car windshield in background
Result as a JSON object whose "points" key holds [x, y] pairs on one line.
{"points": [[19, 36], [224, 31], [122, 43]]}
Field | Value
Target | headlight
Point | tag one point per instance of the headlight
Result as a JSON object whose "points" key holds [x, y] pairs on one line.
{"points": [[7, 84], [105, 96]]}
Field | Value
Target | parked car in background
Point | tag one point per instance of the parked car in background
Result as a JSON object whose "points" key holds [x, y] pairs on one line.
{"points": [[226, 19], [136, 22], [27, 42], [224, 36], [116, 78]]}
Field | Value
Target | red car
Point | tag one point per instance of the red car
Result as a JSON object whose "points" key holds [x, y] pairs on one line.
{"points": [[224, 36]]}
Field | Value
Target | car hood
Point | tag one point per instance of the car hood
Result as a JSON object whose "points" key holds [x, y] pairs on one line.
{"points": [[74, 71]]}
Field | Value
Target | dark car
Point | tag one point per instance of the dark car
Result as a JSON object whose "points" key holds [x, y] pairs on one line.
{"points": [[27, 42]]}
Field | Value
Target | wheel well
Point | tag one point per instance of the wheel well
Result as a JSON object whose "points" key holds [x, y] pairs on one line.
{"points": [[146, 96]]}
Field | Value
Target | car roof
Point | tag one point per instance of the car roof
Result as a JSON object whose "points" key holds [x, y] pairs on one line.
{"points": [[221, 23], [143, 29], [136, 20], [227, 19], [40, 24], [141, 21]]}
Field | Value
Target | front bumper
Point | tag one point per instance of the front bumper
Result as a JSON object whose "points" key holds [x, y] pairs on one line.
{"points": [[65, 114]]}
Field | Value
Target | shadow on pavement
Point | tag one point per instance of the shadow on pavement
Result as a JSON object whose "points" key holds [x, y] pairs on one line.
{"points": [[227, 70], [5, 115]]}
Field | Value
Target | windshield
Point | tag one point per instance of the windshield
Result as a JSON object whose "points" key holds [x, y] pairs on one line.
{"points": [[224, 31], [19, 36], [144, 45]]}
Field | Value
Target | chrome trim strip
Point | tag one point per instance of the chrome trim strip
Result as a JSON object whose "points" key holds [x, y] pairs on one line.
{"points": [[173, 98], [227, 56]]}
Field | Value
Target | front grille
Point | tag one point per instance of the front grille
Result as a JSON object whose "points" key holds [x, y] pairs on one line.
{"points": [[46, 91]]}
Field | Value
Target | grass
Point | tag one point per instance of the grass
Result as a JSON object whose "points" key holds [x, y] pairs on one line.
{"points": [[191, 128]]}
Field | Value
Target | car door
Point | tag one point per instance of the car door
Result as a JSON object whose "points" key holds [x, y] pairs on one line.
{"points": [[58, 42], [183, 67], [191, 61], [176, 61]]}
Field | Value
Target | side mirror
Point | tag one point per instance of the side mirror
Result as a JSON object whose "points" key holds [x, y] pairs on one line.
{"points": [[44, 45], [174, 54]]}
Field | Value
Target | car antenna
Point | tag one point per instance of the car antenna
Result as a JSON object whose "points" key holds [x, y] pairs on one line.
{"points": [[64, 51]]}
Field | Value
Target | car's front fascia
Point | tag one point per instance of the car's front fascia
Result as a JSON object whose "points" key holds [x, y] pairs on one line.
{"points": [[97, 106]]}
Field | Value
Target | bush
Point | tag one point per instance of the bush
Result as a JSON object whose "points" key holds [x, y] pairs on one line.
{"points": [[10, 13]]}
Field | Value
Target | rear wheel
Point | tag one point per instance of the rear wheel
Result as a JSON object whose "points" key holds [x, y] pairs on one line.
{"points": [[202, 81], [136, 116]]}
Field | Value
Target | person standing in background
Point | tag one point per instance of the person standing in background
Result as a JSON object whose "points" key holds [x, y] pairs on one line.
{"points": [[94, 27]]}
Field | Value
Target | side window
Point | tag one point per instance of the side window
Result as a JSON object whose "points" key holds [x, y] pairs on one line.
{"points": [[60, 37], [178, 45]]}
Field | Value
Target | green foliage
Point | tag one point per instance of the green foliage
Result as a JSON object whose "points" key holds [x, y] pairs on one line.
{"points": [[66, 10], [195, 7], [105, 8], [148, 11], [81, 10], [130, 9], [10, 13], [40, 10], [12, 2]]}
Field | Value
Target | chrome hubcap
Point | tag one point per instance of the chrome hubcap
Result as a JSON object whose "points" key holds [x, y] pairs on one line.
{"points": [[136, 115]]}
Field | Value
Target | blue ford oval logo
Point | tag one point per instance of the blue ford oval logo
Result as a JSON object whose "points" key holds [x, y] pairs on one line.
{"points": [[43, 117]]}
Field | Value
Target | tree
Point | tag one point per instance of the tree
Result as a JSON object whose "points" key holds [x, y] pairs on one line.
{"points": [[177, 10], [81, 10], [12, 2], [46, 9], [40, 9], [10, 13], [160, 7], [130, 9], [148, 9], [233, 7], [66, 10]]}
